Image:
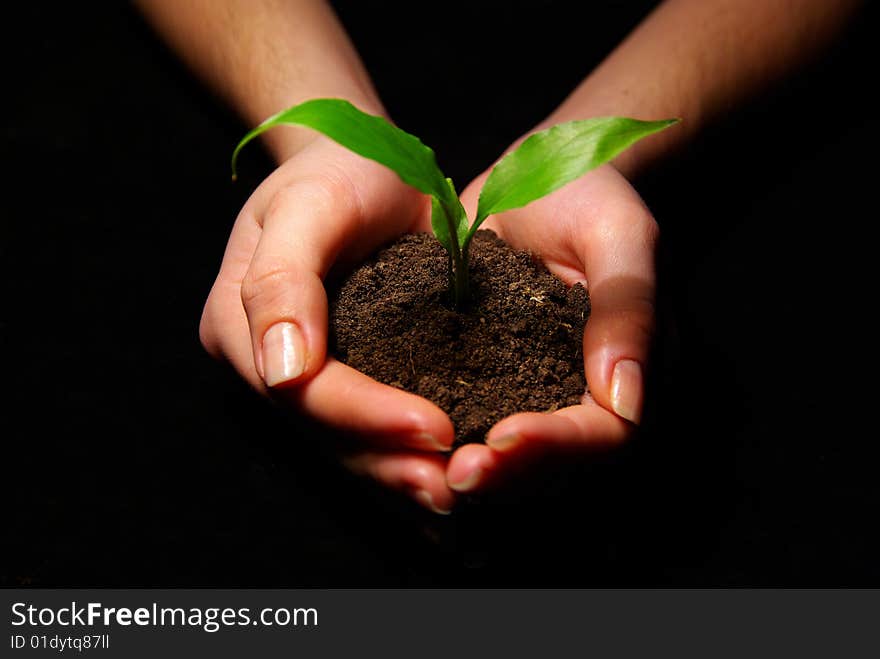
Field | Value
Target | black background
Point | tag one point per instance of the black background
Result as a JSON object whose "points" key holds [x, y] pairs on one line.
{"points": [[129, 458]]}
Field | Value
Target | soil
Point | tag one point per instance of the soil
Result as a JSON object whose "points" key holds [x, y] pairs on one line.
{"points": [[517, 348]]}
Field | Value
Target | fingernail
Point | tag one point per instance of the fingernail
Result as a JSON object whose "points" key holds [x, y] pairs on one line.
{"points": [[284, 354], [626, 390], [469, 482], [504, 442], [424, 497], [427, 441]]}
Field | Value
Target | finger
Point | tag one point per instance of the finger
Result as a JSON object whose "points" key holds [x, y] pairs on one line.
{"points": [[383, 416], [283, 295], [223, 315], [224, 332], [517, 443], [339, 396], [419, 476], [619, 264]]}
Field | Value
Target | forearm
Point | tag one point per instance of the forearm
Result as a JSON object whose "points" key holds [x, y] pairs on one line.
{"points": [[695, 59], [265, 55]]}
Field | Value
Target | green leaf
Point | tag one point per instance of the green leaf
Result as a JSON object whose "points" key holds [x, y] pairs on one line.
{"points": [[549, 159], [367, 135], [445, 227]]}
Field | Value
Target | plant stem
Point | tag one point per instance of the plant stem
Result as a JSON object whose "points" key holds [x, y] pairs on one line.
{"points": [[458, 264], [461, 292], [450, 277]]}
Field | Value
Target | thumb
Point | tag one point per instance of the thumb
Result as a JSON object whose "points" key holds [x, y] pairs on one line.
{"points": [[303, 229], [620, 328], [617, 341]]}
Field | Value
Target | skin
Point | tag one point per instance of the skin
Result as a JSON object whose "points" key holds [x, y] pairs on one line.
{"points": [[325, 207]]}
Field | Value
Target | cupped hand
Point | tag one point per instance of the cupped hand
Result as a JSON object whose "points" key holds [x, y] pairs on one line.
{"points": [[596, 231], [267, 311]]}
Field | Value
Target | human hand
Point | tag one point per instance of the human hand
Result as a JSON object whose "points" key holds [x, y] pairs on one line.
{"points": [[267, 311], [596, 231]]}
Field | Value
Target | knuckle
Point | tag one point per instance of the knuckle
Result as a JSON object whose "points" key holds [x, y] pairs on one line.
{"points": [[637, 312], [641, 223], [330, 193], [633, 217], [641, 318], [630, 317], [264, 284]]}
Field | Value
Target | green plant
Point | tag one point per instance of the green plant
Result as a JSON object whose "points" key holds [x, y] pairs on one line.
{"points": [[544, 162]]}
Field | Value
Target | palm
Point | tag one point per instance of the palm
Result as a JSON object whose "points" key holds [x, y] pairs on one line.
{"points": [[322, 209], [597, 231]]}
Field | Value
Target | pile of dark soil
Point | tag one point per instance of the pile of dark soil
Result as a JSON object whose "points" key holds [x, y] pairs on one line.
{"points": [[517, 348]]}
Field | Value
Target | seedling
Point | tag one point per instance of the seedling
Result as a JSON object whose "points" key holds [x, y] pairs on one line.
{"points": [[544, 162]]}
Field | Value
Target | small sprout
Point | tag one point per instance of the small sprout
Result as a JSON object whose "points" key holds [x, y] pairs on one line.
{"points": [[543, 163]]}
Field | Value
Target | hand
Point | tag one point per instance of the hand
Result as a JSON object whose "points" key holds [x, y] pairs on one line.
{"points": [[596, 231], [267, 311]]}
